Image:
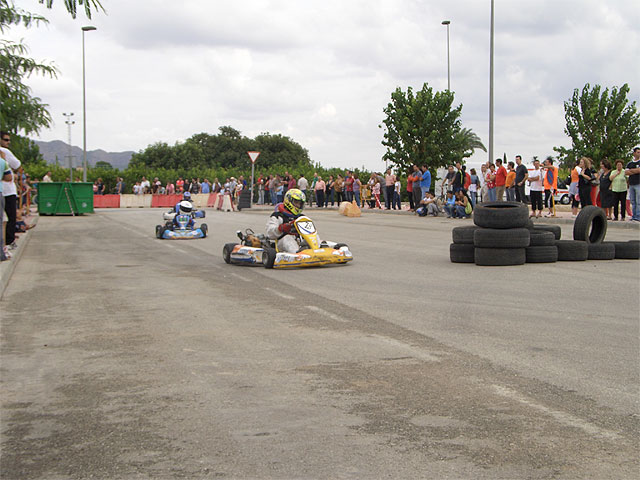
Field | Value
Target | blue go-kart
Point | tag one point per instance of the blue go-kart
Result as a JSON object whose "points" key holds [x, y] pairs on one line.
{"points": [[181, 228]]}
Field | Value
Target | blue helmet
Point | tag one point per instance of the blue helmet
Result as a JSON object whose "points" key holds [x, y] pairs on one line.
{"points": [[187, 196]]}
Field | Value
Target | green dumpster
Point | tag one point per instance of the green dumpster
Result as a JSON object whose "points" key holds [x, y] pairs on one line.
{"points": [[64, 198]]}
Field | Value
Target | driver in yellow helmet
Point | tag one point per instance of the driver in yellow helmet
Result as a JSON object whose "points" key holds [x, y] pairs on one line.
{"points": [[280, 224]]}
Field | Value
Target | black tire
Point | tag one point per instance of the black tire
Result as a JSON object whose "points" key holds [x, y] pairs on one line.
{"points": [[542, 253], [542, 238], [501, 238], [500, 256], [555, 229], [627, 250], [160, 231], [226, 251], [205, 229], [158, 227], [204, 214], [268, 257], [601, 251], [340, 245], [501, 215], [463, 235], [590, 225], [572, 250], [565, 200], [462, 253]]}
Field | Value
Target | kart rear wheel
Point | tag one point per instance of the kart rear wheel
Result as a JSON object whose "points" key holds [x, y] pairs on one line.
{"points": [[160, 231], [268, 257], [226, 251], [205, 229]]}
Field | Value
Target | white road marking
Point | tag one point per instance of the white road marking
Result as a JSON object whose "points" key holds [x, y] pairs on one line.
{"points": [[562, 417], [319, 310], [240, 277], [280, 294], [410, 349]]}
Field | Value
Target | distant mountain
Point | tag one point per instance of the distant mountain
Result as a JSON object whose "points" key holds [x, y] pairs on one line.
{"points": [[57, 151]]}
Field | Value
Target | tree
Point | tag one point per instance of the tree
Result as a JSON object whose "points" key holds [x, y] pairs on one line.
{"points": [[103, 165], [601, 124], [423, 128], [72, 6], [469, 141]]}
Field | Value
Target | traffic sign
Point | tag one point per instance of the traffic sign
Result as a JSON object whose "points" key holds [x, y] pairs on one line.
{"points": [[253, 156]]}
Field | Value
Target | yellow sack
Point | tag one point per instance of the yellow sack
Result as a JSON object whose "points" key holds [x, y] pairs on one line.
{"points": [[353, 210]]}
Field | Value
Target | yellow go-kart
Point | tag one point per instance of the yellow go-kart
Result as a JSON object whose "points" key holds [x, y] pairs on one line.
{"points": [[260, 250]]}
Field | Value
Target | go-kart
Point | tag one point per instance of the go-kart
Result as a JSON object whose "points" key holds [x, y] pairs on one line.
{"points": [[179, 229], [169, 216], [258, 249]]}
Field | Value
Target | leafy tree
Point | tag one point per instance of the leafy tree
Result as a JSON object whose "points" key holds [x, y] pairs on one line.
{"points": [[468, 141], [104, 165], [601, 124], [424, 128], [72, 6]]}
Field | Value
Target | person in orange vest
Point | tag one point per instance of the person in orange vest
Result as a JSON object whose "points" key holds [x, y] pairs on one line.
{"points": [[550, 182]]}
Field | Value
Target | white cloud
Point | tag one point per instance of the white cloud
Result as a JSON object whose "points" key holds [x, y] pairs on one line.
{"points": [[321, 72]]}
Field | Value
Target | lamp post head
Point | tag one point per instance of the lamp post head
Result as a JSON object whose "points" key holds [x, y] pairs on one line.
{"points": [[446, 22], [88, 28]]}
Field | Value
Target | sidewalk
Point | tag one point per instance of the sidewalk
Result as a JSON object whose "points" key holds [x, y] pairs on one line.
{"points": [[8, 266]]}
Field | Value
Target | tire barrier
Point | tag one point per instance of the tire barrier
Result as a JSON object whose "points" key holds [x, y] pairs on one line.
{"points": [[590, 225], [199, 200], [542, 253], [501, 215], [244, 199], [501, 238], [500, 257], [555, 229], [541, 238], [601, 251], [462, 253], [106, 201], [572, 250], [211, 201], [627, 250], [165, 201], [463, 235], [224, 203]]}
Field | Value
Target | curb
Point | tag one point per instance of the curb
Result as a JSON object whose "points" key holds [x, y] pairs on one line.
{"points": [[7, 267]]}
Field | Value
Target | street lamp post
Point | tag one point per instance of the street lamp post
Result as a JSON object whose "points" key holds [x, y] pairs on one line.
{"points": [[69, 122], [491, 88], [84, 109], [447, 23]]}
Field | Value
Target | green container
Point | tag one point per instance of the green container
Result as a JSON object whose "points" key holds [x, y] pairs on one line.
{"points": [[64, 198]]}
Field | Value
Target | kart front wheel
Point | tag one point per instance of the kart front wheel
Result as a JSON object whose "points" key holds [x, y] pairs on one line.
{"points": [[226, 252], [268, 257], [159, 231], [340, 245], [205, 229]]}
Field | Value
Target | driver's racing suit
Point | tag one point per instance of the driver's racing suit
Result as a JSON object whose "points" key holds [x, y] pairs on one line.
{"points": [[281, 216]]}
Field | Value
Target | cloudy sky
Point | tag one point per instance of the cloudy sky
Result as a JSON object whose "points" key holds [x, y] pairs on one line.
{"points": [[321, 72]]}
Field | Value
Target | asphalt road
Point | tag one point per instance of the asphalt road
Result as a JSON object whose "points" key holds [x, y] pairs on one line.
{"points": [[124, 356]]}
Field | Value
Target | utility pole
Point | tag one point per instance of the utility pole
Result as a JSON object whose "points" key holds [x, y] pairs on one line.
{"points": [[69, 122], [491, 89]]}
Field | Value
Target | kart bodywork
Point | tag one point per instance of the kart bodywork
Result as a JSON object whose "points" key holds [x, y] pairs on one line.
{"points": [[179, 229], [260, 250]]}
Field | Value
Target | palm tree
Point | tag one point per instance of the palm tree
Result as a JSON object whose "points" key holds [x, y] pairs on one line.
{"points": [[468, 142]]}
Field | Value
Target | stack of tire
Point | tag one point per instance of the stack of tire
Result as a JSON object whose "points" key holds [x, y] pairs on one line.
{"points": [[504, 235], [588, 243]]}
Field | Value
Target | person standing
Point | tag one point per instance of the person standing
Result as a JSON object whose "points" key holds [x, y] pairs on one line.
{"points": [[536, 187], [319, 189], [9, 190], [397, 190], [632, 171], [417, 192], [473, 186], [501, 180], [425, 179], [357, 187], [303, 185], [619, 190], [522, 175], [490, 180], [586, 179], [389, 185], [348, 186], [550, 183], [484, 190], [606, 194], [412, 206], [47, 178], [328, 193], [3, 168], [458, 179], [510, 184], [338, 187]]}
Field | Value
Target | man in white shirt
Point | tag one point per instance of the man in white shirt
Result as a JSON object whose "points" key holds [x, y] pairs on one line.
{"points": [[536, 188], [47, 178], [9, 191]]}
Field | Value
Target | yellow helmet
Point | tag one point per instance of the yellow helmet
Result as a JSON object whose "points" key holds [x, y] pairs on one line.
{"points": [[294, 201]]}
